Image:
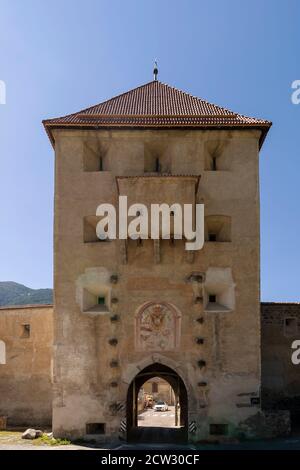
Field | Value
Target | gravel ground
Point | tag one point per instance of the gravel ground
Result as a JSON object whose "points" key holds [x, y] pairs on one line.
{"points": [[12, 441]]}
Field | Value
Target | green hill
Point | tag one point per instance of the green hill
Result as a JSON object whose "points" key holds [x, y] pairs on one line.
{"points": [[12, 293]]}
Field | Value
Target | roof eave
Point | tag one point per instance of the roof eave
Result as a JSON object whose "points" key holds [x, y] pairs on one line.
{"points": [[264, 128]]}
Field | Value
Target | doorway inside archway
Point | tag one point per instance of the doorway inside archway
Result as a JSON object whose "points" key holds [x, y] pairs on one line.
{"points": [[157, 406]]}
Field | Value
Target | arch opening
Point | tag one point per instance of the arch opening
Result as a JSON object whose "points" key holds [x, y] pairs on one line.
{"points": [[172, 430]]}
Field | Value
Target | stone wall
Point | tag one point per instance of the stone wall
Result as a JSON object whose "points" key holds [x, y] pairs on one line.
{"points": [[280, 326], [25, 374], [25, 367]]}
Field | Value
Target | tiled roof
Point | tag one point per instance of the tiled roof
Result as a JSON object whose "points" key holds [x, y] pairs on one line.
{"points": [[155, 105]]}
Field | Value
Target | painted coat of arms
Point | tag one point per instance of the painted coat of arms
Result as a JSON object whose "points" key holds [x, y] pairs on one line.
{"points": [[157, 327]]}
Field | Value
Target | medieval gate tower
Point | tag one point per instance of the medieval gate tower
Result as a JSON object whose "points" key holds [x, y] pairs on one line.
{"points": [[128, 310]]}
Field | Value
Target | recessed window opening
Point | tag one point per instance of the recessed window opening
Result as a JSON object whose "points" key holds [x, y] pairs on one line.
{"points": [[212, 237], [290, 326], [212, 298], [101, 300], [95, 428], [25, 331], [218, 429]]}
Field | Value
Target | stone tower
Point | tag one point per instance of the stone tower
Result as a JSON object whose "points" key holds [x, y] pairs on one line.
{"points": [[129, 310]]}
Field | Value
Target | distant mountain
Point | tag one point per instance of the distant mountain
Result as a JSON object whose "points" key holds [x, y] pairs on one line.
{"points": [[12, 293]]}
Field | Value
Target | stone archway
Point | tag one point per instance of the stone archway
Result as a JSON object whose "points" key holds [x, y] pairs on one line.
{"points": [[179, 434]]}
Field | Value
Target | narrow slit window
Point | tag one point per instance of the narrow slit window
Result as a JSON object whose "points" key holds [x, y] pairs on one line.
{"points": [[157, 165], [214, 164]]}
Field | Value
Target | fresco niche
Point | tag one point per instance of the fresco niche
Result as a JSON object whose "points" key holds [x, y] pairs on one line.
{"points": [[157, 327]]}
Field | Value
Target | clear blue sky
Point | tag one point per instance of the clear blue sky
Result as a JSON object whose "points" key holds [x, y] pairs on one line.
{"points": [[60, 56]]}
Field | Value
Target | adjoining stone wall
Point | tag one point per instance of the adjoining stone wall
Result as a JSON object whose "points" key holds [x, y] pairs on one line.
{"points": [[280, 326], [25, 372]]}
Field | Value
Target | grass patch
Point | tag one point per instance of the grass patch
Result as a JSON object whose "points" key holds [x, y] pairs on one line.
{"points": [[7, 433], [50, 441]]}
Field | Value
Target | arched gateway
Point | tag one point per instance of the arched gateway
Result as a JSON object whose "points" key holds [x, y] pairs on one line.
{"points": [[178, 434]]}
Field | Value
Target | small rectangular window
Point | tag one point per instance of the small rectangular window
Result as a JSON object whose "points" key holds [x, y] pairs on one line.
{"points": [[290, 326], [212, 298], [218, 429], [212, 237], [95, 428], [101, 300], [93, 157], [25, 331]]}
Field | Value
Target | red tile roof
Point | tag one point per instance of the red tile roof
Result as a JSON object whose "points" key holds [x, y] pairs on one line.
{"points": [[156, 105]]}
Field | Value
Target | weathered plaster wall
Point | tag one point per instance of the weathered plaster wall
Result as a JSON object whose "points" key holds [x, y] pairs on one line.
{"points": [[25, 378], [83, 356]]}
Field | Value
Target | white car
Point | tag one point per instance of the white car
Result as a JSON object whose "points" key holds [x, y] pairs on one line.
{"points": [[161, 406]]}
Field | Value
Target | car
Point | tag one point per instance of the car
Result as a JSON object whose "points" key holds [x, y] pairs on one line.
{"points": [[161, 406]]}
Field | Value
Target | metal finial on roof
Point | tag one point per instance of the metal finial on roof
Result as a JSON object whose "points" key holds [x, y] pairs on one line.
{"points": [[155, 70]]}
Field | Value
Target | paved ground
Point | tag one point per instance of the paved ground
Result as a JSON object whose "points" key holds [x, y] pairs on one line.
{"points": [[164, 419]]}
